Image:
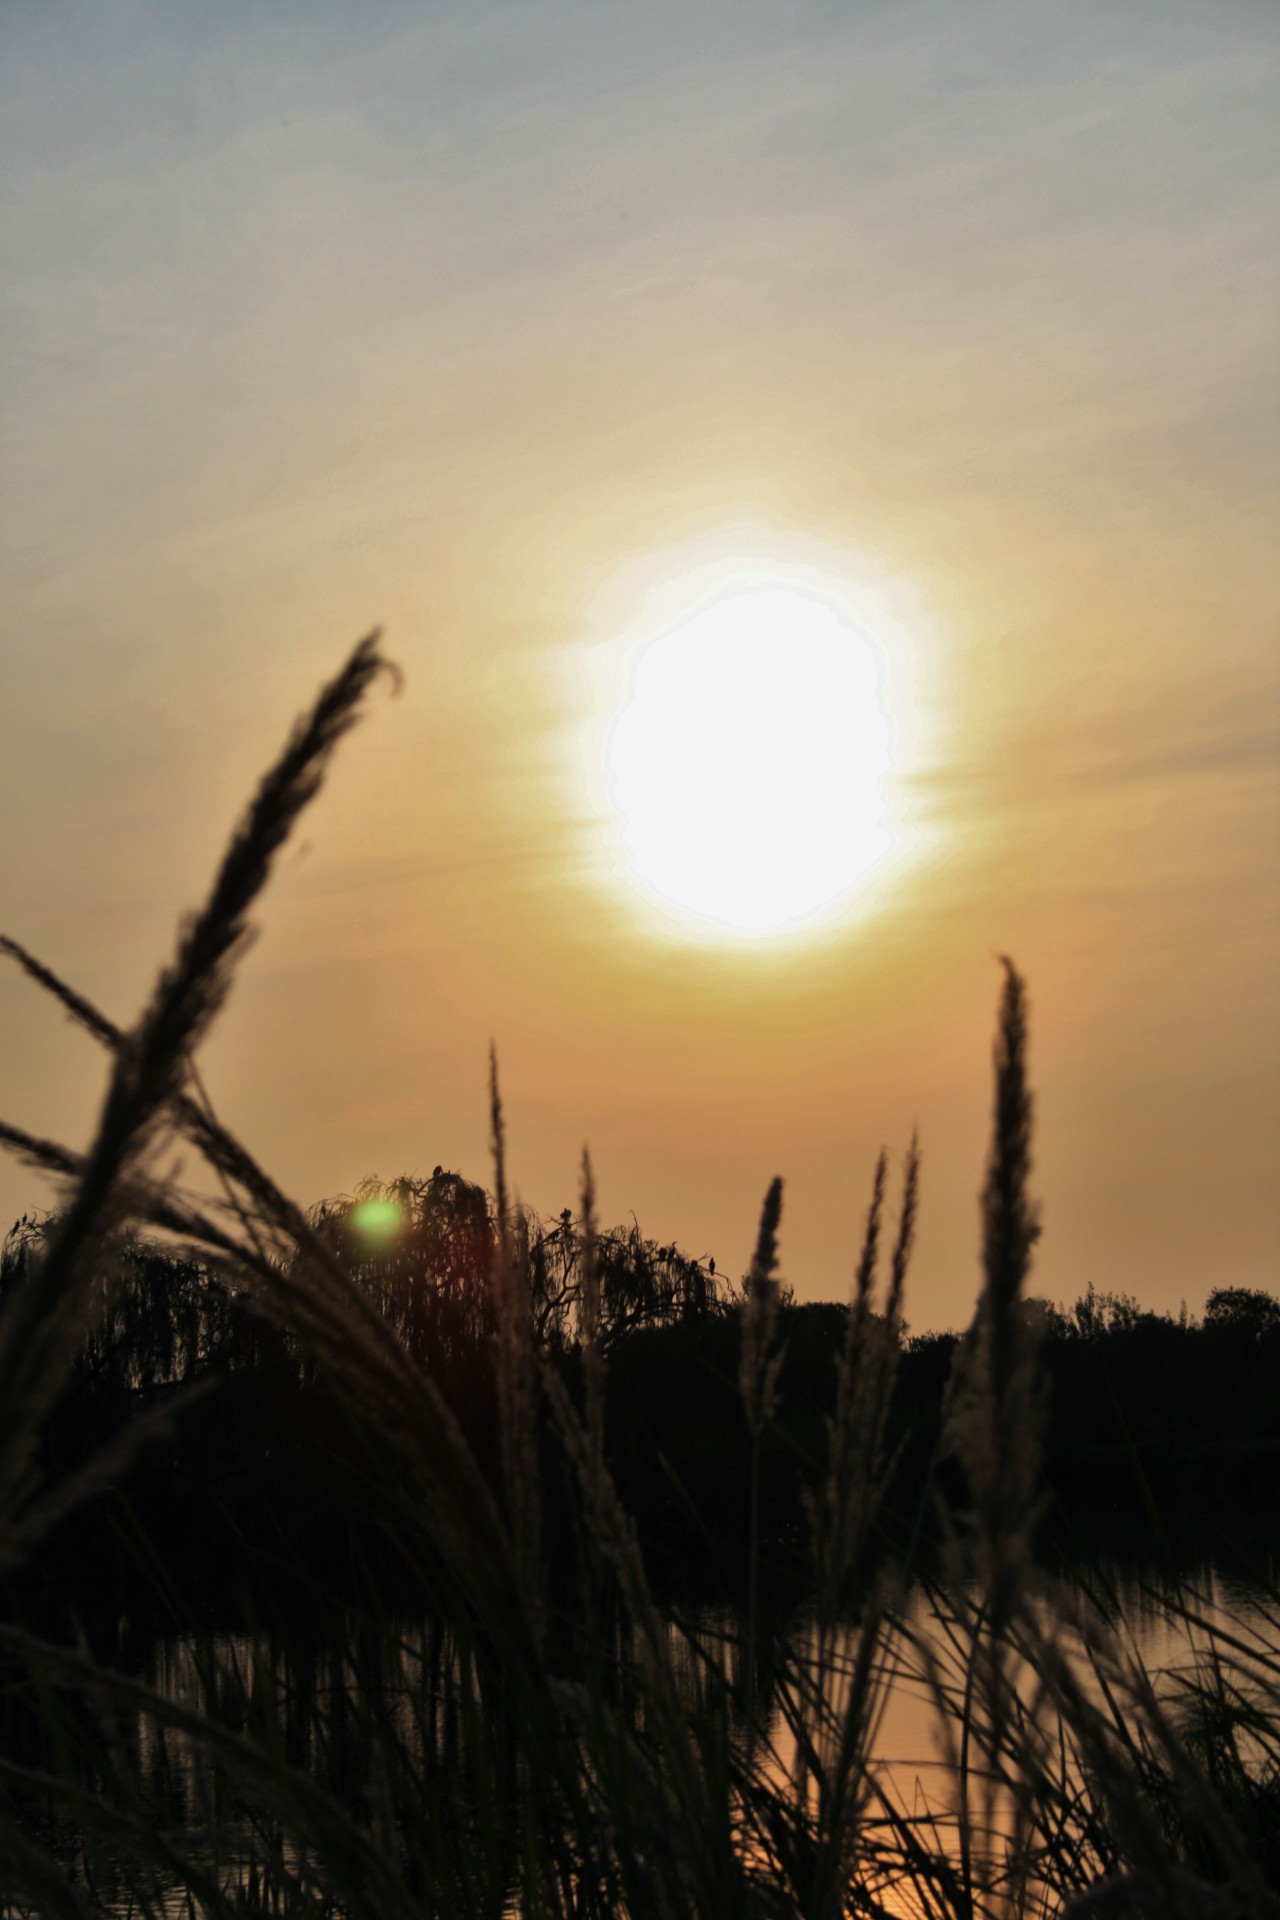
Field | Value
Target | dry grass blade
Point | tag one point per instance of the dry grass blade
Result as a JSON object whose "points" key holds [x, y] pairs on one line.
{"points": [[589, 1315], [1009, 1224], [865, 1272], [46, 1156], [995, 1415], [658, 1794], [757, 1373], [190, 991], [842, 1513], [151, 1204], [75, 1003], [636, 1789], [992, 1426], [43, 1320], [23, 1864], [71, 1672], [516, 1375], [313, 1296], [906, 1235]]}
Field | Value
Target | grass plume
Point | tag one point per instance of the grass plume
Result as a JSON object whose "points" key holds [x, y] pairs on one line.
{"points": [[508, 1750]]}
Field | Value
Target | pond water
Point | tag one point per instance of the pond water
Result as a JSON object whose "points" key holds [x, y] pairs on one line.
{"points": [[247, 1751]]}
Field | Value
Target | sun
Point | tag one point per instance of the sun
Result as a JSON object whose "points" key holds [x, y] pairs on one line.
{"points": [[749, 762]]}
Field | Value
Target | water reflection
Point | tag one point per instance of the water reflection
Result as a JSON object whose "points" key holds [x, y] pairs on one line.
{"points": [[400, 1748]]}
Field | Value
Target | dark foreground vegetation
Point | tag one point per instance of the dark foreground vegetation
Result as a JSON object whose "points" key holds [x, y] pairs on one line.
{"points": [[1150, 1422], [331, 1544]]}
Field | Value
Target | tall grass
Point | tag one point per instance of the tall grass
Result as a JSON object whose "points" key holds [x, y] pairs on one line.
{"points": [[506, 1750]]}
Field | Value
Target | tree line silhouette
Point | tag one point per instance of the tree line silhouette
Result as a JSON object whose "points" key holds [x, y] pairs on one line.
{"points": [[259, 1437], [265, 1456]]}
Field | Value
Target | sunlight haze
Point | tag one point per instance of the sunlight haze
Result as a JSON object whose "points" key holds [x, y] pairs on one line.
{"points": [[541, 336]]}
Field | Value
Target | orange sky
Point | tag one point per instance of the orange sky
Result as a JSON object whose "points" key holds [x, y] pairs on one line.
{"points": [[491, 324]]}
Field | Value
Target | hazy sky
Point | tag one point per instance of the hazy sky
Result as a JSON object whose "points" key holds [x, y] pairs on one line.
{"points": [[506, 326]]}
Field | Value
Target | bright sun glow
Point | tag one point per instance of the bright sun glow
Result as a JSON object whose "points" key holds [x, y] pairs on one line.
{"points": [[748, 765]]}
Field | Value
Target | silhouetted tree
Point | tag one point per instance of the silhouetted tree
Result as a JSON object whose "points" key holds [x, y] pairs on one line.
{"points": [[423, 1249], [1242, 1310]]}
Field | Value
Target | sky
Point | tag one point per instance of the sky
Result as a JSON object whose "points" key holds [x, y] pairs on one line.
{"points": [[519, 329]]}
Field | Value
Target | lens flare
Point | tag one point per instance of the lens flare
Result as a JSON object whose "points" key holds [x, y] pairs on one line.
{"points": [[377, 1221]]}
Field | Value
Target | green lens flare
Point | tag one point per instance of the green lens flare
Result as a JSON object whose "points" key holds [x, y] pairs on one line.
{"points": [[377, 1219]]}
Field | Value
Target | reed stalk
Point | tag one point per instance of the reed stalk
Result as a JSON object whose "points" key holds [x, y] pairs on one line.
{"points": [[495, 1756]]}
